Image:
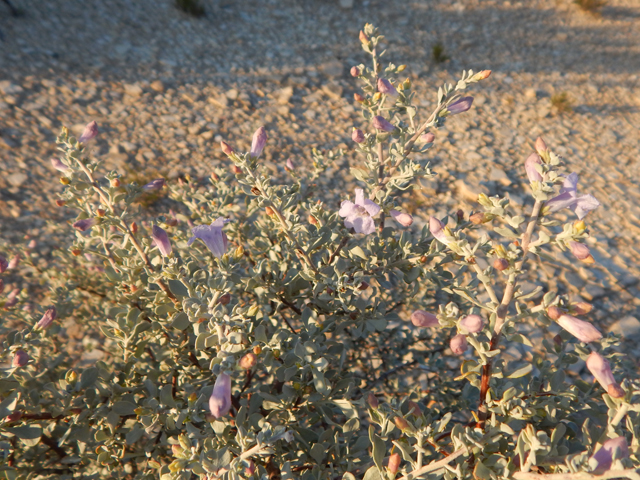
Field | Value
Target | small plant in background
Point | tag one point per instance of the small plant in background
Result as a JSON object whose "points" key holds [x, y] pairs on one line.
{"points": [[437, 53], [591, 6], [191, 7], [267, 334], [561, 103]]}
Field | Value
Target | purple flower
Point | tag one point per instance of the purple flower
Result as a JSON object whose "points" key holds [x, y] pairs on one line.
{"points": [[458, 344], [355, 72], [380, 123], [20, 359], [3, 264], [385, 87], [601, 370], [161, 240], [358, 215], [212, 236], [530, 167], [289, 165], [154, 185], [569, 198], [90, 132], [84, 224], [48, 318], [357, 135], [423, 319], [58, 165], [14, 262], [612, 449], [12, 298], [403, 219], [437, 229], [427, 137], [581, 252], [460, 106], [258, 142], [220, 400], [472, 323], [583, 331]]}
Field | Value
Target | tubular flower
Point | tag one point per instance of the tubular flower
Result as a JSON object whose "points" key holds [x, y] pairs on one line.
{"points": [[58, 165], [84, 224], [569, 198], [248, 361], [403, 219], [601, 370], [458, 344], [258, 142], [20, 359], [472, 323], [14, 262], [530, 167], [437, 229], [427, 137], [612, 449], [357, 135], [581, 252], [583, 331], [380, 123], [460, 106], [212, 236], [220, 400], [359, 215], [385, 87], [48, 318], [290, 165], [89, 133], [226, 148], [161, 240], [154, 185], [423, 319]]}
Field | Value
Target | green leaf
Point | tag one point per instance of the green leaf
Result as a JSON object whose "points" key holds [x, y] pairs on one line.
{"points": [[358, 252], [124, 408], [180, 321], [178, 288], [379, 447], [28, 434], [88, 377], [557, 379], [481, 472], [506, 232], [166, 397], [520, 372], [320, 383], [372, 474]]}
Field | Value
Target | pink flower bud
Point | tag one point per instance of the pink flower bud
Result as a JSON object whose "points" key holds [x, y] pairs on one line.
{"points": [[90, 132], [427, 137], [481, 75], [581, 252], [530, 167], [472, 323], [601, 370], [540, 146], [58, 165], [554, 313], [394, 462], [47, 319], [582, 308], [13, 417], [385, 87], [460, 106], [226, 148], [423, 319], [583, 331], [220, 400], [3, 264], [224, 299], [403, 219], [501, 264], [289, 165], [258, 143], [372, 400], [12, 298], [436, 227], [250, 469], [84, 224], [613, 449], [20, 359], [161, 240], [458, 344], [380, 123], [248, 361], [357, 135], [355, 72], [154, 185], [32, 244]]}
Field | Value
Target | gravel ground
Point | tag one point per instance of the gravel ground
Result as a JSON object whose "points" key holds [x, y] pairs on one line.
{"points": [[166, 87]]}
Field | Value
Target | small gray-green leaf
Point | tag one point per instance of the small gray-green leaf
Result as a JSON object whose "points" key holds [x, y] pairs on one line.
{"points": [[124, 408], [88, 377]]}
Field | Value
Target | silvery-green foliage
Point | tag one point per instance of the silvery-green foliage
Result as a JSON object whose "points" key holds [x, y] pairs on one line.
{"points": [[329, 377]]}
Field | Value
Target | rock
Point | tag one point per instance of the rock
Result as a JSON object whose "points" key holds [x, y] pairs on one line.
{"points": [[129, 147], [283, 96], [469, 192], [157, 86], [17, 179], [628, 327], [232, 94], [592, 292], [133, 90], [8, 88], [346, 4], [498, 175], [530, 93], [332, 68]]}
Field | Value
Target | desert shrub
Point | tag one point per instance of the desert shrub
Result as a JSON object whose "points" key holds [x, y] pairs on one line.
{"points": [[263, 334]]}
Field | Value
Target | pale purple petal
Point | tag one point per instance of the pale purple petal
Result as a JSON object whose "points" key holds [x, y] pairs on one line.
{"points": [[530, 167], [458, 344], [212, 236], [89, 133], [564, 200], [600, 369], [359, 197], [58, 165], [380, 123], [436, 227], [579, 250], [84, 224], [612, 449], [20, 359], [423, 319], [570, 183], [258, 142], [402, 218], [346, 208], [472, 323], [385, 87], [364, 225], [220, 400], [4, 264], [584, 204], [154, 185], [48, 318], [459, 106], [583, 331], [371, 207], [161, 240], [357, 135]]}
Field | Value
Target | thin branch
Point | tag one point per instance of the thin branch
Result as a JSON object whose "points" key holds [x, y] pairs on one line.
{"points": [[435, 466], [336, 252]]}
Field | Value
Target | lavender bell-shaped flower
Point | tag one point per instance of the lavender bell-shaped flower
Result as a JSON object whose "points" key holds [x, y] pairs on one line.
{"points": [[220, 400], [161, 240], [423, 319], [358, 215], [458, 344], [437, 229], [380, 123], [402, 218], [460, 106], [212, 236], [154, 185], [530, 166], [472, 323], [20, 359], [569, 198], [84, 224], [581, 252], [601, 370], [583, 331], [357, 135], [258, 142], [48, 318], [289, 165], [613, 449], [58, 165], [386, 88], [89, 133]]}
